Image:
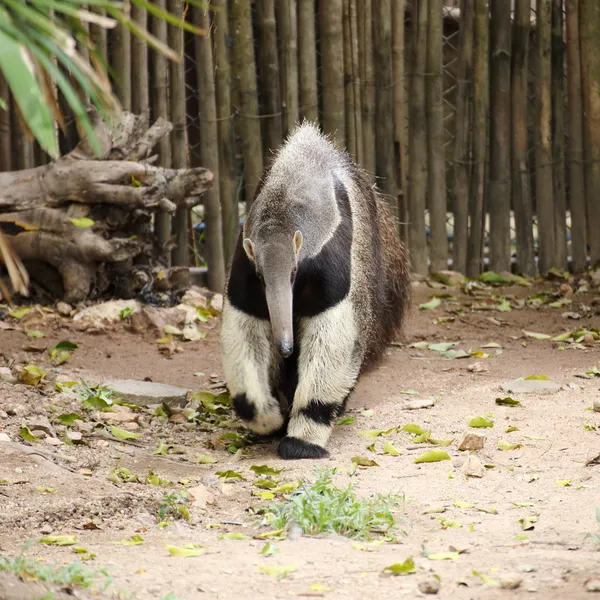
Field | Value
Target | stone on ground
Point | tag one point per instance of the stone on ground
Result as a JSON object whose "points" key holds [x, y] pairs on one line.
{"points": [[530, 386], [472, 441], [144, 393]]}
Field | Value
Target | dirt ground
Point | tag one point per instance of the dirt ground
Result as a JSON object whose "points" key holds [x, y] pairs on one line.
{"points": [[556, 434]]}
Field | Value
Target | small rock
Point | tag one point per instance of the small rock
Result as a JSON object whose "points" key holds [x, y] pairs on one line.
{"points": [[216, 302], [195, 297], [106, 312], [472, 441], [530, 386], [525, 568], [131, 426], [4, 437], [82, 426], [589, 339], [199, 496], [510, 581], [597, 404], [418, 403], [7, 376], [473, 467], [3, 414], [477, 367], [64, 309], [121, 414], [74, 436], [46, 529], [41, 424], [429, 586], [148, 392], [51, 441], [592, 585], [16, 410]]}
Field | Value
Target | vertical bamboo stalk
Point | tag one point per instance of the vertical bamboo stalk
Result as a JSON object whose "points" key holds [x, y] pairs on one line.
{"points": [[558, 136], [576, 174], [462, 158], [367, 97], [180, 254], [589, 19], [209, 151], [228, 187], [160, 108], [99, 35], [417, 154], [499, 193], [435, 139], [6, 163], [289, 54], [543, 151], [332, 61], [349, 105], [244, 68], [355, 74], [307, 61], [480, 109], [519, 142], [121, 61], [268, 69], [21, 144], [140, 92]]}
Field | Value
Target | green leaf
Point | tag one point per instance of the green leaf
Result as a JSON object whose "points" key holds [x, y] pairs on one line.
{"points": [[46, 490], [432, 456], [204, 459], [461, 504], [265, 470], [376, 432], [346, 421], [460, 353], [431, 305], [287, 488], [20, 312], [443, 556], [69, 418], [134, 540], [162, 449], [35, 334], [537, 378], [480, 422], [265, 484], [32, 375], [122, 434], [278, 571], [442, 347], [528, 523], [269, 549], [504, 445], [66, 345], [405, 568], [508, 401], [413, 428], [186, 551], [59, 540], [82, 223], [224, 475], [126, 312], [364, 462], [564, 482], [171, 329], [486, 580], [504, 305], [388, 448], [491, 277], [26, 434], [537, 336], [263, 495], [234, 535]]}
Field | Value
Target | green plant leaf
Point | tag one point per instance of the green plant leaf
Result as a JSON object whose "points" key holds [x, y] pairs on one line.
{"points": [[229, 475], [32, 375], [187, 551], [504, 445], [508, 401], [134, 540], [122, 434], [431, 305], [26, 434], [480, 422], [278, 571], [537, 336], [432, 456], [59, 540], [364, 462], [234, 535], [265, 470], [69, 418], [66, 345], [388, 448], [404, 568], [35, 334], [82, 222]]}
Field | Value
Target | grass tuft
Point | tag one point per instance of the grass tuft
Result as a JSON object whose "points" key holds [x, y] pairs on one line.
{"points": [[324, 508]]}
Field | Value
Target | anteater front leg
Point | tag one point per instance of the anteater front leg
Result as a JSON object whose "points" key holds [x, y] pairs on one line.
{"points": [[328, 367], [250, 365]]}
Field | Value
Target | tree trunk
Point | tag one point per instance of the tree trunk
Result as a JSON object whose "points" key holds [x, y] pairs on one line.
{"points": [[480, 109], [462, 148], [228, 179], [400, 136], [268, 69], [244, 68], [179, 158], [307, 61], [367, 97], [39, 208], [356, 83], [558, 136], [289, 62], [332, 69], [209, 151], [140, 92], [589, 13], [499, 193], [576, 173], [384, 103], [519, 139], [121, 62], [6, 163], [349, 104], [435, 139], [543, 153], [160, 109], [417, 154]]}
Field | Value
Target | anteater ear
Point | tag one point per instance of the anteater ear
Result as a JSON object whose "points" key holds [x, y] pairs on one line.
{"points": [[297, 241], [249, 249]]}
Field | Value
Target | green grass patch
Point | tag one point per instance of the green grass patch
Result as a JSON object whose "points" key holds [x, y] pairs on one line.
{"points": [[325, 508]]}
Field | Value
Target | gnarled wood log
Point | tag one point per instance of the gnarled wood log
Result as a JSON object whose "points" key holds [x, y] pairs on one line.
{"points": [[42, 210]]}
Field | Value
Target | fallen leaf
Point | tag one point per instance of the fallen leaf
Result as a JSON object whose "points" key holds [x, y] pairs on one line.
{"points": [[537, 336], [456, 354], [122, 434], [26, 434], [564, 482], [486, 580], [480, 422], [346, 421], [287, 488], [19, 313], [432, 304], [229, 474], [187, 551], [319, 587], [69, 418], [508, 401], [413, 428], [59, 540], [461, 504], [269, 549], [172, 330], [81, 222], [364, 462], [504, 445], [492, 345], [263, 495], [134, 540], [528, 523], [443, 556], [265, 470], [389, 448], [277, 571], [404, 568], [234, 535], [442, 346], [432, 456], [204, 459], [35, 334], [32, 375]]}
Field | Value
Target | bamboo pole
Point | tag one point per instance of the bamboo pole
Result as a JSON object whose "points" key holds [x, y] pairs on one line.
{"points": [[543, 151], [462, 159], [209, 150], [268, 69], [140, 92], [228, 179], [6, 162], [589, 19], [245, 72], [307, 61], [289, 54], [417, 154], [499, 191], [99, 35], [558, 136], [356, 83], [435, 139], [480, 109], [120, 55], [576, 173], [349, 99], [367, 95], [519, 140], [180, 254]]}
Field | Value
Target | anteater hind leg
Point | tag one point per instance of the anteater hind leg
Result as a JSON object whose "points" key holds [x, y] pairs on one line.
{"points": [[250, 365], [328, 367]]}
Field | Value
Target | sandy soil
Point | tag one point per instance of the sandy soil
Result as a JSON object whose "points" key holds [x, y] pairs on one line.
{"points": [[554, 559]]}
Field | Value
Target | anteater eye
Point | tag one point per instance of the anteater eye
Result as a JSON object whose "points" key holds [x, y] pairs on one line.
{"points": [[260, 278], [293, 276]]}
